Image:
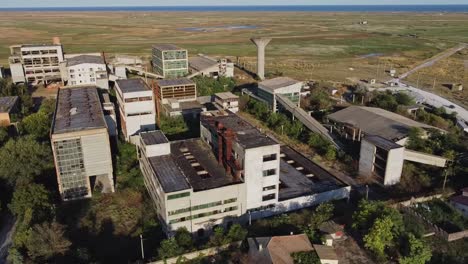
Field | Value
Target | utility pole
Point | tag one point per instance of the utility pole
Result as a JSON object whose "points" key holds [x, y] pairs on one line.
{"points": [[367, 192], [142, 249]]}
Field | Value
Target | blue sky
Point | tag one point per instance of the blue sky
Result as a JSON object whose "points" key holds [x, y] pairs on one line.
{"points": [[67, 3]]}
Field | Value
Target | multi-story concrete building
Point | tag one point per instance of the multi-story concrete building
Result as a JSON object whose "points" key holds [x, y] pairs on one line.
{"points": [[178, 97], [170, 61], [80, 144], [227, 101], [290, 88], [86, 70], [136, 106], [35, 64], [232, 172], [383, 136]]}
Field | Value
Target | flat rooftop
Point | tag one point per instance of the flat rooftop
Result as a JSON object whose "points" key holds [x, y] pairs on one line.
{"points": [[300, 176], [201, 63], [78, 108], [377, 121], [81, 59], [200, 166], [185, 106], [191, 164], [382, 142], [133, 85], [246, 135], [164, 47], [277, 83], [154, 137], [169, 175], [7, 103], [175, 82], [227, 96], [38, 45]]}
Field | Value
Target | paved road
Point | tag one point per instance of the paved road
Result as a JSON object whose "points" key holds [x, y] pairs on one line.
{"points": [[431, 61], [6, 232]]}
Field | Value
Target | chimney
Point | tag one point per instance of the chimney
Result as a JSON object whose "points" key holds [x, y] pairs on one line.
{"points": [[261, 43], [56, 41]]}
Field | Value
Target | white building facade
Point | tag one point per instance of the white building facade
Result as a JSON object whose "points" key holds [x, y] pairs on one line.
{"points": [[136, 106], [35, 64], [87, 70]]}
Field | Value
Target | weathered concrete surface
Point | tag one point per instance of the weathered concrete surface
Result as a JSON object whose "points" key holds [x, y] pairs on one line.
{"points": [[424, 158]]}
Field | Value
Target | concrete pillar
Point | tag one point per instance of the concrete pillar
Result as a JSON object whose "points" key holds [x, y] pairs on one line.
{"points": [[261, 43]]}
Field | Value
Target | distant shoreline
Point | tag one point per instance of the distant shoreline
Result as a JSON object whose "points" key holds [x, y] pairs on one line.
{"points": [[265, 8]]}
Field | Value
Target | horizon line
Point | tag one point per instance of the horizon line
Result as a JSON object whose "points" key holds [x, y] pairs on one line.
{"points": [[217, 5]]}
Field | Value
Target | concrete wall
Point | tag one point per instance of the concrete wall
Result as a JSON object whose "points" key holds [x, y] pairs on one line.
{"points": [[196, 254], [17, 73], [366, 158], [303, 202], [82, 75], [138, 116], [158, 150], [394, 166], [253, 172], [4, 119], [424, 158], [97, 156]]}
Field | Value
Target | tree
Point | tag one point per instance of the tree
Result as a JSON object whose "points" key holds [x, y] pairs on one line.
{"points": [[413, 179], [305, 257], [369, 211], [319, 100], [33, 197], [47, 240], [236, 233], [416, 252], [218, 238], [184, 238], [23, 159], [37, 125], [169, 248], [173, 125], [404, 99], [323, 213], [379, 237]]}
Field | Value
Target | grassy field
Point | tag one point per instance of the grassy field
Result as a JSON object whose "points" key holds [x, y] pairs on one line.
{"points": [[328, 46]]}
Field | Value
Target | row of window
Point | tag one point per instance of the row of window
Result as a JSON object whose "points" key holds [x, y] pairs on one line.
{"points": [[90, 69], [269, 188], [269, 157], [138, 99], [269, 172], [269, 197], [183, 219], [202, 206], [140, 114], [179, 195]]}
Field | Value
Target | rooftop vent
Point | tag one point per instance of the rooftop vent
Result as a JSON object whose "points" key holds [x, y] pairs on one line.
{"points": [[73, 111]]}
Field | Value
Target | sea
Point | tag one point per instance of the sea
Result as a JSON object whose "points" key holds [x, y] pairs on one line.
{"points": [[258, 8]]}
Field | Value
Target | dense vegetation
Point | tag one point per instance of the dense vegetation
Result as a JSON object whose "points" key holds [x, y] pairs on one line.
{"points": [[207, 86], [443, 214], [386, 234], [281, 124]]}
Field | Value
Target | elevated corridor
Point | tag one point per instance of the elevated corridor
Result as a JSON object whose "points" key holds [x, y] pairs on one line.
{"points": [[305, 118], [143, 72]]}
